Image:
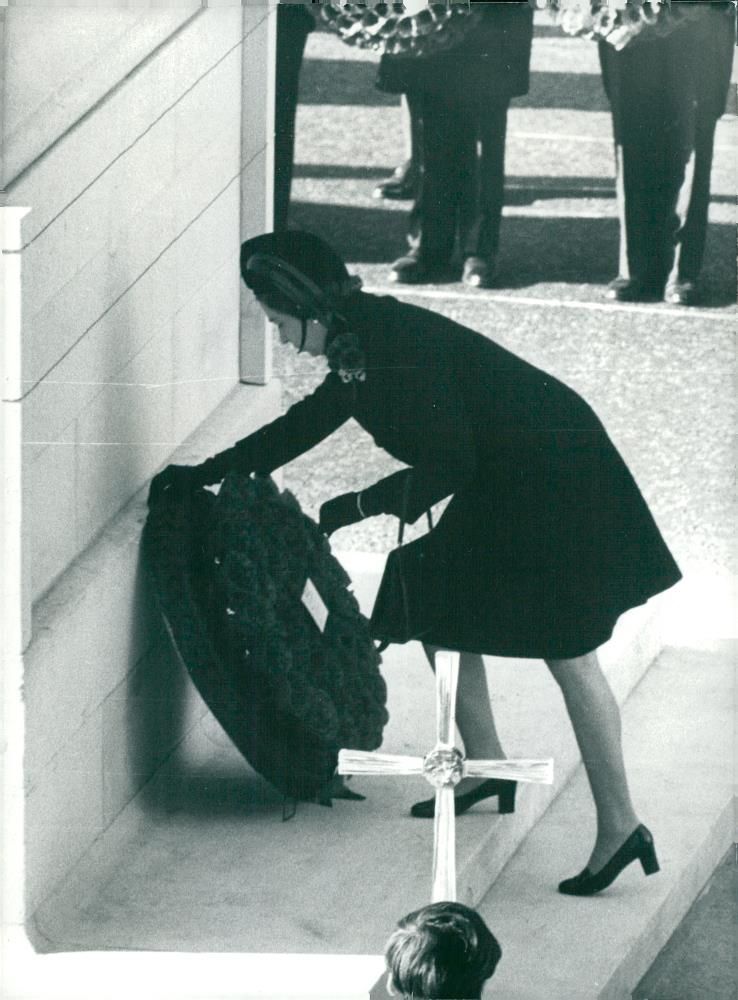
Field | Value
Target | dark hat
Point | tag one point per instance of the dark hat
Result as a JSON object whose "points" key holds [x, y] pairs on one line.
{"points": [[303, 251], [298, 273]]}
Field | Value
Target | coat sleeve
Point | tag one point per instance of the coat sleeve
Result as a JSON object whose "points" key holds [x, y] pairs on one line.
{"points": [[304, 425], [446, 463]]}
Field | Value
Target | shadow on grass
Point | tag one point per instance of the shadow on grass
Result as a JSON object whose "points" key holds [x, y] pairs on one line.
{"points": [[533, 250], [338, 81]]}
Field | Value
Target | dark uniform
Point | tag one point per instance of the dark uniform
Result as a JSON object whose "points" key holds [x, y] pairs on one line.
{"points": [[666, 95], [294, 24], [462, 97]]}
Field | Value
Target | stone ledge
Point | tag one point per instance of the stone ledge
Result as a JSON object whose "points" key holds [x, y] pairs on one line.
{"points": [[678, 734], [245, 881]]}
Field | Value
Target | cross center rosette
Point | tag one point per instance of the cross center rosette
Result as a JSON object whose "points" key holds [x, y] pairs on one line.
{"points": [[443, 766]]}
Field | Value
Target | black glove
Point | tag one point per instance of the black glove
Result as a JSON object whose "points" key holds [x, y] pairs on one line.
{"points": [[338, 513], [176, 480]]}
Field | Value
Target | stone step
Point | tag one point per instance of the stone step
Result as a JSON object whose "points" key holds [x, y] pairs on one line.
{"points": [[677, 728], [203, 862]]}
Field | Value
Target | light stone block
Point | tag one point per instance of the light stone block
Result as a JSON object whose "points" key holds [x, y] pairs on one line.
{"points": [[206, 178], [69, 168], [144, 719], [89, 632], [254, 15], [50, 510], [103, 281], [209, 112], [256, 114], [256, 342], [256, 217], [205, 348], [134, 407], [106, 479], [256, 211], [77, 58], [64, 811], [123, 435], [107, 347], [91, 223], [212, 240], [184, 158]]}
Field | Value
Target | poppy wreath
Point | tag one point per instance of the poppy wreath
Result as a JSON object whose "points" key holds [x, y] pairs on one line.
{"points": [[620, 22], [390, 29], [229, 573]]}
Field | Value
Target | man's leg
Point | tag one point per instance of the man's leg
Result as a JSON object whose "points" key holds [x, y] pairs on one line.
{"points": [[403, 182], [691, 137], [481, 205], [634, 81], [291, 37], [432, 221]]}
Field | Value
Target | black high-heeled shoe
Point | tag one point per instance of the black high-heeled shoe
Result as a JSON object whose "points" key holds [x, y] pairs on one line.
{"points": [[638, 847], [487, 789]]}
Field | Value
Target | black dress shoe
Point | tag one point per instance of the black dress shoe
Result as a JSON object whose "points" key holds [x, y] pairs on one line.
{"points": [[632, 290], [682, 293], [413, 270], [638, 847], [487, 789], [478, 272], [400, 186]]}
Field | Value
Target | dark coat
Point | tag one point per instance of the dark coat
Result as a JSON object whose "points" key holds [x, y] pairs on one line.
{"points": [[493, 62], [687, 69], [547, 539]]}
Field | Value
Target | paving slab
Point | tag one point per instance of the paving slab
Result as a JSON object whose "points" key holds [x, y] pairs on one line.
{"points": [[678, 732]]}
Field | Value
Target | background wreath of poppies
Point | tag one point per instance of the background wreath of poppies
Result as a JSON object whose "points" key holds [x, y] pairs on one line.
{"points": [[229, 573]]}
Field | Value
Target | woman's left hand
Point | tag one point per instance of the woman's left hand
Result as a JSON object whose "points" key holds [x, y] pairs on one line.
{"points": [[338, 513], [175, 480]]}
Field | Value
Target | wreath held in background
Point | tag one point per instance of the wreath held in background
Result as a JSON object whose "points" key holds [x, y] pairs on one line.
{"points": [[418, 30]]}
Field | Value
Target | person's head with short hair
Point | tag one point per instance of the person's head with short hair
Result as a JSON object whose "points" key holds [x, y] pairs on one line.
{"points": [[444, 951]]}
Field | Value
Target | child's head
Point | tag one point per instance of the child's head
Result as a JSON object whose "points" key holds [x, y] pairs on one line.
{"points": [[444, 951]]}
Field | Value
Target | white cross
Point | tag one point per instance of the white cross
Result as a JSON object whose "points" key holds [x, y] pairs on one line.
{"points": [[443, 768]]}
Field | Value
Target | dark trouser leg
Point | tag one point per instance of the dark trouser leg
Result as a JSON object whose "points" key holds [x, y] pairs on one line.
{"points": [[691, 143], [402, 183], [480, 211], [445, 137], [414, 107], [291, 37], [666, 96], [414, 103], [689, 229], [634, 80], [696, 87]]}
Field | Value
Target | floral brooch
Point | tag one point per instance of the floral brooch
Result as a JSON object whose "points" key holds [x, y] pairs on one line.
{"points": [[346, 357]]}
